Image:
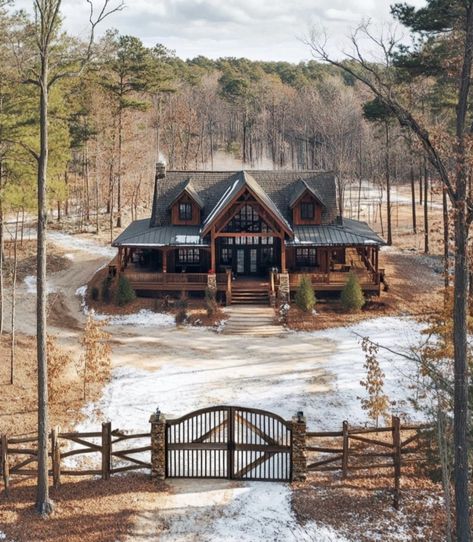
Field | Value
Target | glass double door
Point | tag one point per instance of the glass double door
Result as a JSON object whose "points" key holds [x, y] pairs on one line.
{"points": [[246, 261]]}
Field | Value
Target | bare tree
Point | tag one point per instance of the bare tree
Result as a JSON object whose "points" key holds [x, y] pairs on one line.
{"points": [[43, 69], [380, 80]]}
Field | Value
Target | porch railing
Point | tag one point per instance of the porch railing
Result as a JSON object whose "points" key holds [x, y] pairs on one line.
{"points": [[172, 278]]}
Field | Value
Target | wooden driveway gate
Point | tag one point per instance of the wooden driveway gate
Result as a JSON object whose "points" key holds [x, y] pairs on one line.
{"points": [[229, 442]]}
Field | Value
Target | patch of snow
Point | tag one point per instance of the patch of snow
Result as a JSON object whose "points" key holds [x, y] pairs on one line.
{"points": [[247, 513], [30, 283], [188, 239], [142, 318], [69, 256], [75, 242], [3, 536]]}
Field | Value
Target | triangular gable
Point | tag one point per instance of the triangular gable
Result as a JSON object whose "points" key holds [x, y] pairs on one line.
{"points": [[302, 188], [245, 180], [191, 192]]}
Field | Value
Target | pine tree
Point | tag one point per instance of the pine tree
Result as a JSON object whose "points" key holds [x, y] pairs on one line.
{"points": [[305, 296], [352, 297], [125, 293]]}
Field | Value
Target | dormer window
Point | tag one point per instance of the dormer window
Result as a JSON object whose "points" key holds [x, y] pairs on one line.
{"points": [[307, 210], [185, 211]]}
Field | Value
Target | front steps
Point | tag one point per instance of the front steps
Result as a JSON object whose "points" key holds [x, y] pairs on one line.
{"points": [[252, 320], [250, 297]]}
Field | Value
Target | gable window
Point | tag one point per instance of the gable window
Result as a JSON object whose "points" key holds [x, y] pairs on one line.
{"points": [[185, 211], [189, 255], [307, 210], [306, 257]]}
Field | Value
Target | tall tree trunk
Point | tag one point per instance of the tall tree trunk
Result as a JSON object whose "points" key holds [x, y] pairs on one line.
{"points": [[2, 242], [426, 207], [388, 185], [119, 176], [446, 260], [413, 194], [13, 303], [43, 503]]}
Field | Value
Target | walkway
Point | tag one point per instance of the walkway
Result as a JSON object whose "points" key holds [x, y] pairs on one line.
{"points": [[253, 320]]}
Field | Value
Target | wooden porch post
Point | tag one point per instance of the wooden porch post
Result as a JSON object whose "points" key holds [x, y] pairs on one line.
{"points": [[165, 260], [283, 255], [213, 265]]}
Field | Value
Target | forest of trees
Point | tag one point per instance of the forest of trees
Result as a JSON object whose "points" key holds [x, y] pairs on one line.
{"points": [[136, 105]]}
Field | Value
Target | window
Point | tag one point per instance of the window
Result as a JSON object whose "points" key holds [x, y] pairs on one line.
{"points": [[226, 256], [307, 210], [189, 255], [306, 257], [185, 211]]}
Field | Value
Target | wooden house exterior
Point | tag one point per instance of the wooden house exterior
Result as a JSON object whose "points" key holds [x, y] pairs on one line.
{"points": [[246, 234]]}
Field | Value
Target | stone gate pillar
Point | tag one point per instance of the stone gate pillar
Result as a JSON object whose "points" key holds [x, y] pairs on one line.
{"points": [[212, 283], [158, 446], [299, 453], [284, 288]]}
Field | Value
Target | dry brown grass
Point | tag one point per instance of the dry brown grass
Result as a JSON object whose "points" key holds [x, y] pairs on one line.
{"points": [[86, 510], [18, 414], [360, 507], [26, 264]]}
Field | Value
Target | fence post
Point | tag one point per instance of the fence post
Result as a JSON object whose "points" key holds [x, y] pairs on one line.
{"points": [[106, 450], [346, 447], [396, 429], [299, 444], [56, 456], [4, 463], [158, 446]]}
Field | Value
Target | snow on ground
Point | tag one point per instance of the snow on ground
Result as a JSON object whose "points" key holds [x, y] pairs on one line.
{"points": [[318, 373], [220, 512], [30, 283], [141, 318], [74, 242]]}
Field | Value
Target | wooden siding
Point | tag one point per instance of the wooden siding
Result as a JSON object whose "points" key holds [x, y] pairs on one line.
{"points": [[195, 221]]}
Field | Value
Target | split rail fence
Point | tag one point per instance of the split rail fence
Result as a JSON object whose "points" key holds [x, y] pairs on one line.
{"points": [[352, 449], [19, 455], [365, 449]]}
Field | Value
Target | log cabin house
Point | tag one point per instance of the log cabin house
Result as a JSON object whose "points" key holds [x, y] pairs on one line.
{"points": [[248, 235]]}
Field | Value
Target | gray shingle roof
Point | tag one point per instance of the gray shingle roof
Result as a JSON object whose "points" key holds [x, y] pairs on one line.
{"points": [[277, 185], [245, 179], [299, 189], [192, 192], [346, 232], [140, 234]]}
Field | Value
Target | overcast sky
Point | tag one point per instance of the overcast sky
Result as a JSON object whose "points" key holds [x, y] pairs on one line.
{"points": [[256, 29]]}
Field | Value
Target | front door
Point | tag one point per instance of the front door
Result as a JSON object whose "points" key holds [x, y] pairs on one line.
{"points": [[246, 261]]}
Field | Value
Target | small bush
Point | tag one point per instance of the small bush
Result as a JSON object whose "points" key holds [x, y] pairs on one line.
{"points": [[182, 304], [105, 290], [181, 317], [210, 302], [125, 293], [94, 293], [305, 296], [352, 297]]}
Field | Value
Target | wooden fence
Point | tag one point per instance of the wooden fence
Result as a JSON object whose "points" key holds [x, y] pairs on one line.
{"points": [[19, 454], [352, 449], [359, 449]]}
